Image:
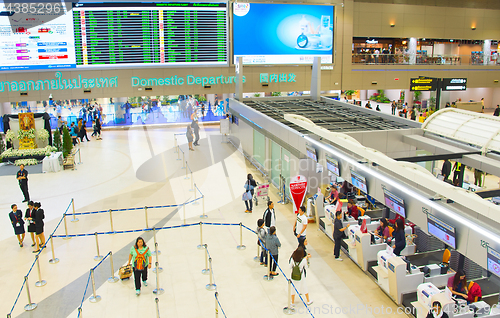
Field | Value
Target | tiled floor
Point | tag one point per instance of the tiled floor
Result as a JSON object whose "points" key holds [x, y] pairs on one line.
{"points": [[137, 168]]}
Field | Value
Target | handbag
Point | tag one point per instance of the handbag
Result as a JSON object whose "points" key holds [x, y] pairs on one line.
{"points": [[248, 186], [246, 196], [125, 272]]}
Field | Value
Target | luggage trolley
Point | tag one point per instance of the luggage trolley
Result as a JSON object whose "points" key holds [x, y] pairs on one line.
{"points": [[262, 192]]}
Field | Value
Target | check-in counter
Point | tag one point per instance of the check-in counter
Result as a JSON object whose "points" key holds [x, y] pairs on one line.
{"points": [[428, 293], [365, 251], [400, 281]]}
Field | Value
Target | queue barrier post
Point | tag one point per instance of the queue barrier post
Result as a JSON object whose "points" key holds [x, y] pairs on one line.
{"points": [[156, 251], [66, 228], [157, 269], [53, 260], [201, 237], [187, 167], [184, 212], [158, 290], [241, 246], [206, 270], [289, 310], [203, 216], [73, 205], [269, 277], [183, 161], [211, 285], [178, 153], [80, 314], [98, 257], [112, 278], [257, 258], [94, 298], [40, 282], [157, 308], [30, 306], [192, 182], [195, 200], [216, 306], [146, 215], [111, 221], [175, 144]]}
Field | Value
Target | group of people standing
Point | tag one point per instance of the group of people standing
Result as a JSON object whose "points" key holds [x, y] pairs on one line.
{"points": [[78, 131], [34, 218]]}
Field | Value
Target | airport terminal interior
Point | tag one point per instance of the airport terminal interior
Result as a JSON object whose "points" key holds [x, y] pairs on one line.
{"points": [[373, 122]]}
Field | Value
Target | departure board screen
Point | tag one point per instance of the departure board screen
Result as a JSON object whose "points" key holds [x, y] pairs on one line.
{"points": [[135, 34]]}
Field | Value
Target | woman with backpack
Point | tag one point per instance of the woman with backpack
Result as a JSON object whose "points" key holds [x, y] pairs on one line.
{"points": [[298, 263], [250, 184], [141, 255]]}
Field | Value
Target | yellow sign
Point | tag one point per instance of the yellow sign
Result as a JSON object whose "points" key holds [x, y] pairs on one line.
{"points": [[422, 80], [421, 88]]}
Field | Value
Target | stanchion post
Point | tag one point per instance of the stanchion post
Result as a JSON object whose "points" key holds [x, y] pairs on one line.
{"points": [[201, 237], [192, 182], [73, 205], [175, 144], [241, 246], [210, 286], [156, 251], [178, 153], [206, 270], [157, 308], [40, 282], [79, 157], [184, 212], [112, 278], [146, 215], [159, 269], [66, 228], [30, 306], [53, 260], [203, 216], [111, 220], [216, 306], [195, 196], [289, 310], [80, 314], [158, 290], [94, 298], [183, 161], [187, 167], [98, 257], [269, 277], [257, 258]]}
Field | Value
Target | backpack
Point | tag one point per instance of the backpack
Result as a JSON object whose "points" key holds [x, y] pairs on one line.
{"points": [[296, 272], [140, 260]]}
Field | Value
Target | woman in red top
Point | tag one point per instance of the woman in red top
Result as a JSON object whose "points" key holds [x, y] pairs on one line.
{"points": [[352, 209]]}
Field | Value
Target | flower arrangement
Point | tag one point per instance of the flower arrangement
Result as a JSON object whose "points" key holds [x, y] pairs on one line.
{"points": [[10, 135], [11, 152], [26, 162], [30, 134], [42, 134]]}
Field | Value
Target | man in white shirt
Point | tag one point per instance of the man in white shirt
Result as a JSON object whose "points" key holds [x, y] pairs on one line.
{"points": [[300, 226]]}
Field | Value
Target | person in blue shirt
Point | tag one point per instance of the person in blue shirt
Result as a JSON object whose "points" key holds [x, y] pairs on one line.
{"points": [[399, 237]]}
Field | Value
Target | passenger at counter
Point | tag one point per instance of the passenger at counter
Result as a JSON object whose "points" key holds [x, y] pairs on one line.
{"points": [[338, 232], [368, 105], [399, 237], [378, 108], [383, 230], [436, 311], [458, 285], [497, 111], [334, 194], [352, 209]]}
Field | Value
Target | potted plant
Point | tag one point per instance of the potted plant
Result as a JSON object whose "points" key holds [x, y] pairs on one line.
{"points": [[67, 145], [57, 140], [256, 95], [348, 93]]}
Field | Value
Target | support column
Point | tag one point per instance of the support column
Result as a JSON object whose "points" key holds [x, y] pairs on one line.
{"points": [[32, 106], [6, 108], [239, 78], [316, 79], [412, 50], [122, 114], [486, 52]]}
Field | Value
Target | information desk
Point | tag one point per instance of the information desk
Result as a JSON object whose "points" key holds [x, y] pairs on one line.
{"points": [[53, 163]]}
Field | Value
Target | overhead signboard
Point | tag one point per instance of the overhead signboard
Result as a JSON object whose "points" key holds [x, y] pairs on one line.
{"points": [[423, 84], [454, 84]]}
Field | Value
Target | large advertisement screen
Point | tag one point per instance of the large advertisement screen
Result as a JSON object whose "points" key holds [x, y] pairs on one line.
{"points": [[266, 33], [114, 34], [441, 230]]}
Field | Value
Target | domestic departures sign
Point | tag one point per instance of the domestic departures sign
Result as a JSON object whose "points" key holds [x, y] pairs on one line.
{"points": [[423, 84]]}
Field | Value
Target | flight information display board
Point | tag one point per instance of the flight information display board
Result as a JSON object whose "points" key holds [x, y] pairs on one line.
{"points": [[134, 34]]}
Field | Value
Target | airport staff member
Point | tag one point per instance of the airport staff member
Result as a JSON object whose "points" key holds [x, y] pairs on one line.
{"points": [[446, 169], [338, 232], [399, 237], [22, 177]]}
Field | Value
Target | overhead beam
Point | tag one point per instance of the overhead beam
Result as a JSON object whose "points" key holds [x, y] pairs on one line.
{"points": [[437, 157]]}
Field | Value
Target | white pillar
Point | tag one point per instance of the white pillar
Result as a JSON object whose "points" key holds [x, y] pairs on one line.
{"points": [[362, 94], [239, 78], [486, 52], [6, 108], [412, 50], [316, 79]]}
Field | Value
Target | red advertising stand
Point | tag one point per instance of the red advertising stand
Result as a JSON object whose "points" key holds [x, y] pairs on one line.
{"points": [[298, 189]]}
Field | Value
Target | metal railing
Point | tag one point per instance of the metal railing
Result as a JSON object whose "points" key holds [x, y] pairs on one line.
{"points": [[423, 59]]}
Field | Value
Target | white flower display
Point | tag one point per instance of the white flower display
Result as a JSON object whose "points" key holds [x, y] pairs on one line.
{"points": [[11, 152], [10, 135], [26, 162], [42, 134]]}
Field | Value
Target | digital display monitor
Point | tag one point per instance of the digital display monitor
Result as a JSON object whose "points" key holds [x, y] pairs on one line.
{"points": [[493, 261], [269, 33], [442, 231], [311, 153], [332, 165], [394, 203], [359, 182], [119, 34]]}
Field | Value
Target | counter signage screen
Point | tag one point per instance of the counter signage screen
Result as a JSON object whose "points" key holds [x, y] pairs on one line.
{"points": [[311, 153], [268, 33], [441, 230], [454, 84], [493, 261], [394, 203], [332, 165], [359, 182]]}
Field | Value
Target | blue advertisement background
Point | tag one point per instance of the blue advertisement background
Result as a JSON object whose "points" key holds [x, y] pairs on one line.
{"points": [[257, 33]]}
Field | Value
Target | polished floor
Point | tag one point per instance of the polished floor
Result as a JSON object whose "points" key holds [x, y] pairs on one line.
{"points": [[136, 168]]}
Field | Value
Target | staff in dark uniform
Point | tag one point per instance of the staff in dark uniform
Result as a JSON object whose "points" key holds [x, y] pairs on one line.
{"points": [[22, 177], [29, 216]]}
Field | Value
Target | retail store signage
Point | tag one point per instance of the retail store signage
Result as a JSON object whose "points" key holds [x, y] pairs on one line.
{"points": [[423, 84], [277, 78], [59, 83], [372, 41], [454, 84]]}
